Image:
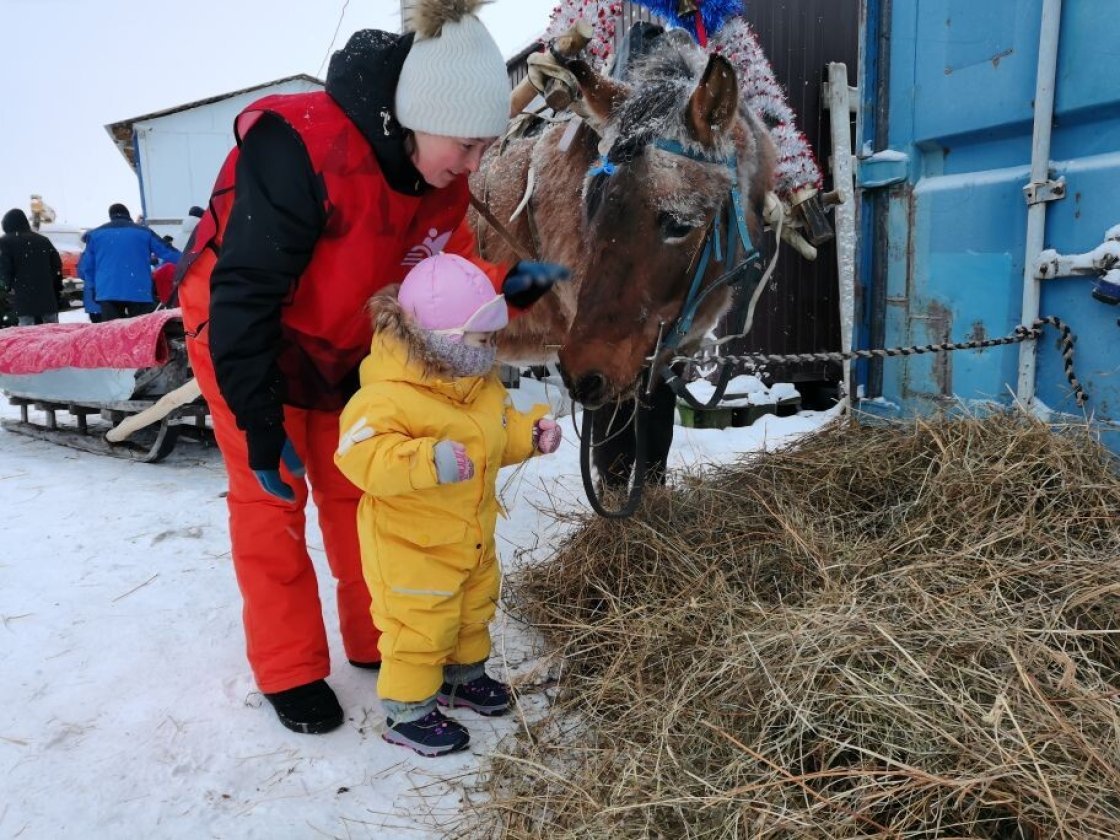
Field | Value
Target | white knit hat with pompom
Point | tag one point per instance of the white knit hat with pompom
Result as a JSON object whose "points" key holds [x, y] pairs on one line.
{"points": [[454, 81]]}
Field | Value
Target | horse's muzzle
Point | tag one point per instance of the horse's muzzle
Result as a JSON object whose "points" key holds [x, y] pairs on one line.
{"points": [[591, 389]]}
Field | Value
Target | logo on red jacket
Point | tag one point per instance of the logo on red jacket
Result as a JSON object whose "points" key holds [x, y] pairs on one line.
{"points": [[433, 244]]}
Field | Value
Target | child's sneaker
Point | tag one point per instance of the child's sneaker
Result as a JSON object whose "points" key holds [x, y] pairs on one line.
{"points": [[430, 736], [484, 695]]}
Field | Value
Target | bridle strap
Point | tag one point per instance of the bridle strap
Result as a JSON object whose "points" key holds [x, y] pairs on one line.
{"points": [[712, 249], [502, 231], [677, 148]]}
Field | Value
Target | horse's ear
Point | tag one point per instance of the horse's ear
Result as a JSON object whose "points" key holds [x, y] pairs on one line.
{"points": [[602, 95], [715, 102]]}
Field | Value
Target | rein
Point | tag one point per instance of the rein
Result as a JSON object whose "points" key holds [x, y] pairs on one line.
{"points": [[634, 495], [502, 231]]}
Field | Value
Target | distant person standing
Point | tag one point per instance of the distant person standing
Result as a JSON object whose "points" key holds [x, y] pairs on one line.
{"points": [[117, 265], [163, 277], [183, 237], [89, 304], [30, 271]]}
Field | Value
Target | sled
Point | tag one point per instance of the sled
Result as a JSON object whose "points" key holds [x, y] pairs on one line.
{"points": [[118, 389]]}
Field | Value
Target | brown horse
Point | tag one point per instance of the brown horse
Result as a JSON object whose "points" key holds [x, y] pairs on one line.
{"points": [[628, 206]]}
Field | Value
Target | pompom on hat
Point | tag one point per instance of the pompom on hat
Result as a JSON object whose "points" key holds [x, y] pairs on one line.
{"points": [[448, 294], [454, 81]]}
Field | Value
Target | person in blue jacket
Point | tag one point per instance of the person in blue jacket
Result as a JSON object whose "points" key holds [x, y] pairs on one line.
{"points": [[116, 265], [89, 303]]}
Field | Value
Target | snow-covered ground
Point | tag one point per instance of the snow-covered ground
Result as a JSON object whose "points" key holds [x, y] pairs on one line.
{"points": [[126, 705]]}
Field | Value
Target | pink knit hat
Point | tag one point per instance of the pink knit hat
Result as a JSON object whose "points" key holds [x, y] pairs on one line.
{"points": [[447, 293]]}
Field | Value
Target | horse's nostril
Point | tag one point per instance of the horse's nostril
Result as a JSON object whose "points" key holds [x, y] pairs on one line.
{"points": [[590, 389]]}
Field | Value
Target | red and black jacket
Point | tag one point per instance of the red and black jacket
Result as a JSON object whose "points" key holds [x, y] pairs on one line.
{"points": [[317, 209]]}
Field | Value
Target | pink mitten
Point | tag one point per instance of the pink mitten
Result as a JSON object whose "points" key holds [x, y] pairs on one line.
{"points": [[452, 462], [546, 435]]}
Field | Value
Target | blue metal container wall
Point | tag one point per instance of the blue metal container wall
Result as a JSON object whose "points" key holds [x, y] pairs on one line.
{"points": [[962, 84]]}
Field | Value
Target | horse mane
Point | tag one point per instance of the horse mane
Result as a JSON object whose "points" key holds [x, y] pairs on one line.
{"points": [[662, 82]]}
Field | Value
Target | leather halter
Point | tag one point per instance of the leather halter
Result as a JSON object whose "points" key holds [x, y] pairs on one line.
{"points": [[712, 248]]}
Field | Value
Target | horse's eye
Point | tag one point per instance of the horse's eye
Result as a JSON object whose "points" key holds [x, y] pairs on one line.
{"points": [[673, 229]]}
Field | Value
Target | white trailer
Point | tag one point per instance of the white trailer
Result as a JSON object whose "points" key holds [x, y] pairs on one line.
{"points": [[176, 153]]}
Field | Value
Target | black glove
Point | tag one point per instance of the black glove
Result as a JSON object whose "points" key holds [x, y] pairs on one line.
{"points": [[527, 281]]}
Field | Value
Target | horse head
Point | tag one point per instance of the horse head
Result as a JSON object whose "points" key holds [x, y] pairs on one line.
{"points": [[631, 206], [674, 145]]}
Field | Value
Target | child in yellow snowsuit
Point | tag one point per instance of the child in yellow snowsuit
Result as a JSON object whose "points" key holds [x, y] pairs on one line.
{"points": [[424, 438]]}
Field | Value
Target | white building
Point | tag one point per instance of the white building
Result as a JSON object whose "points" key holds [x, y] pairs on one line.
{"points": [[176, 153]]}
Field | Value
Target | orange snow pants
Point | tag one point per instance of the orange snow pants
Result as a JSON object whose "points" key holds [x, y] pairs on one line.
{"points": [[284, 634]]}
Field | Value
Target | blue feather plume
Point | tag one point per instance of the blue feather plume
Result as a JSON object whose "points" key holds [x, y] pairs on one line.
{"points": [[714, 12]]}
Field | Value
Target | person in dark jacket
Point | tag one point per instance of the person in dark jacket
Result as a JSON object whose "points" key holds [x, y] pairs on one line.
{"points": [[117, 265], [329, 197], [30, 270]]}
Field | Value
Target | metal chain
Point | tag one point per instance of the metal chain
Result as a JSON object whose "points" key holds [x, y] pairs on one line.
{"points": [[748, 361]]}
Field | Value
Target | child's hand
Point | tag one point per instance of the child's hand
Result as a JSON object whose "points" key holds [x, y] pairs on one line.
{"points": [[452, 462], [546, 435]]}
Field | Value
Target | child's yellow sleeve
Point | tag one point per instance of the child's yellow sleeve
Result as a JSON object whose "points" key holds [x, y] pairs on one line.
{"points": [[376, 452]]}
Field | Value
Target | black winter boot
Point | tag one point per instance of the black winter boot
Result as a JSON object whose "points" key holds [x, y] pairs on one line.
{"points": [[311, 709], [367, 666]]}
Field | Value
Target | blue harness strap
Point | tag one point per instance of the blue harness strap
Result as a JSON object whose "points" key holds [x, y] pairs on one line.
{"points": [[677, 148], [603, 167], [684, 321], [736, 228], [740, 218]]}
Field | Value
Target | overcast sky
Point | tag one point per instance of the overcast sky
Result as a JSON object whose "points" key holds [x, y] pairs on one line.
{"points": [[70, 67]]}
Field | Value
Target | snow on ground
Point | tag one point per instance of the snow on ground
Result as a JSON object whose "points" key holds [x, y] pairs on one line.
{"points": [[126, 705]]}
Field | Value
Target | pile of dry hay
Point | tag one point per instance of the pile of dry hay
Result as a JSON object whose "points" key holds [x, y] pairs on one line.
{"points": [[908, 633]]}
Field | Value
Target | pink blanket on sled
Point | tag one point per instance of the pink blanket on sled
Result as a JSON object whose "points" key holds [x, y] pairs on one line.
{"points": [[124, 343]]}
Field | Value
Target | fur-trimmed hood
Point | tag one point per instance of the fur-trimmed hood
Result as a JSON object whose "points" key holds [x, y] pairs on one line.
{"points": [[399, 352]]}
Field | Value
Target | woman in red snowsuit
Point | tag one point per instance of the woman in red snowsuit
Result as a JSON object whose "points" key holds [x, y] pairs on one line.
{"points": [[329, 197]]}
